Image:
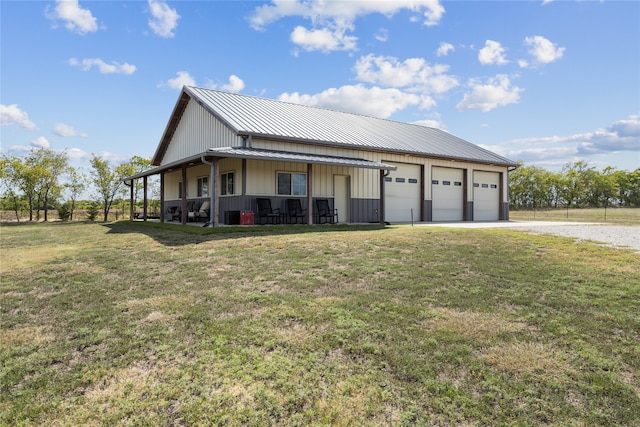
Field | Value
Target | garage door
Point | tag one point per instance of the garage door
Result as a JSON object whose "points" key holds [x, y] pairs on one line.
{"points": [[402, 193], [447, 194], [486, 196]]}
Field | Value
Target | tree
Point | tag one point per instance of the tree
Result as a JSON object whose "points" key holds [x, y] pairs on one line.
{"points": [[575, 182], [107, 180], [49, 168], [74, 188], [20, 178]]}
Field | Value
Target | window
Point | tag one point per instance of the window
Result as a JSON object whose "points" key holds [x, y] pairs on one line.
{"points": [[457, 183], [476, 185], [388, 179], [494, 186], [399, 179], [226, 183], [446, 182], [203, 186], [413, 181], [435, 182], [485, 185], [292, 184]]}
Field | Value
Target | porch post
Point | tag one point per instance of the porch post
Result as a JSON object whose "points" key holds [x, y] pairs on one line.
{"points": [[133, 182], [161, 196], [381, 196], [184, 195], [309, 194], [144, 204], [214, 194]]}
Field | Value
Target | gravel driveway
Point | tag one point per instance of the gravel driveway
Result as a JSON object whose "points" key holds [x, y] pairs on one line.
{"points": [[612, 235]]}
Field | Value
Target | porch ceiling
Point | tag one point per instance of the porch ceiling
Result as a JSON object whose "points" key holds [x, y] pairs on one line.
{"points": [[269, 155]]}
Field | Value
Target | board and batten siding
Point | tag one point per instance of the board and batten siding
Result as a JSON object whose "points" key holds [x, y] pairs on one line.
{"points": [[364, 182], [198, 131], [173, 178]]}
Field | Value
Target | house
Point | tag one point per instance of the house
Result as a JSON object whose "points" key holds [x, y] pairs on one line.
{"points": [[229, 150]]}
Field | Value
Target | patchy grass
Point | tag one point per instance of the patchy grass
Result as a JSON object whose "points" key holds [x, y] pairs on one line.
{"points": [[620, 216], [143, 324]]}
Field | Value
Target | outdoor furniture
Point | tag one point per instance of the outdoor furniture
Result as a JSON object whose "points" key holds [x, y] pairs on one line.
{"points": [[174, 213], [325, 212], [295, 211], [265, 211], [203, 212]]}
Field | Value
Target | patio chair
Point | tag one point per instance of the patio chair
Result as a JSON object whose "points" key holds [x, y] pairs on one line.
{"points": [[265, 211], [174, 213], [294, 210], [203, 212], [325, 212]]}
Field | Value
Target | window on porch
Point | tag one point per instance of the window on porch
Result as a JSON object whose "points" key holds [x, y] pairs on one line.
{"points": [[292, 184], [203, 186], [226, 183]]}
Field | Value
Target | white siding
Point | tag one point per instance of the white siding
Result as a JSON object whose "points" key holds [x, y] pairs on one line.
{"points": [[198, 131]]}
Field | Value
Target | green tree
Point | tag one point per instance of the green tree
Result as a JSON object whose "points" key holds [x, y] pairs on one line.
{"points": [[74, 188], [19, 178], [50, 167], [107, 180]]}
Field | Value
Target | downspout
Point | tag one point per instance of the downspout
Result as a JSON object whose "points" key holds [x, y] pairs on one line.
{"points": [[213, 206], [383, 174]]}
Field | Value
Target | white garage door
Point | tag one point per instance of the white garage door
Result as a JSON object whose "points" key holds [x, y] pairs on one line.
{"points": [[402, 193], [486, 196], [447, 194]]}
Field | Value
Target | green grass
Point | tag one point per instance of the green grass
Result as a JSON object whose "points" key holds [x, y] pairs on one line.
{"points": [[620, 216], [143, 324]]}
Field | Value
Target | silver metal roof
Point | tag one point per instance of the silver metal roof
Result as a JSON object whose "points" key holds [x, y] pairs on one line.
{"points": [[261, 117], [252, 153]]}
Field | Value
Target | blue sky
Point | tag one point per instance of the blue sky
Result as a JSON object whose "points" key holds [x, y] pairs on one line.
{"points": [[545, 82]]}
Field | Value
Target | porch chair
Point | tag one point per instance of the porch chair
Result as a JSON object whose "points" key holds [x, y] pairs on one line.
{"points": [[174, 213], [265, 211], [324, 211], [203, 212], [294, 210]]}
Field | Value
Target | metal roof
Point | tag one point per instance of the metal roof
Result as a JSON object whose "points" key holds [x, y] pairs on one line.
{"points": [[267, 118], [259, 154], [252, 153]]}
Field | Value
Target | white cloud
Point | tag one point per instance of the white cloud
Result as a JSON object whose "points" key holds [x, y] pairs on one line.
{"points": [[65, 130], [495, 93], [332, 19], [492, 53], [235, 84], [323, 39], [77, 154], [382, 35], [445, 49], [76, 19], [543, 50], [376, 102], [183, 79], [431, 123], [413, 73], [12, 115], [164, 19], [104, 68], [620, 136], [40, 142]]}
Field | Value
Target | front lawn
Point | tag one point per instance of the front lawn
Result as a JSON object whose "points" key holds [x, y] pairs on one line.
{"points": [[139, 324]]}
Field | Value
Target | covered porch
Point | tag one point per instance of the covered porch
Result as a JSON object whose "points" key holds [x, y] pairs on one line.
{"points": [[213, 204]]}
